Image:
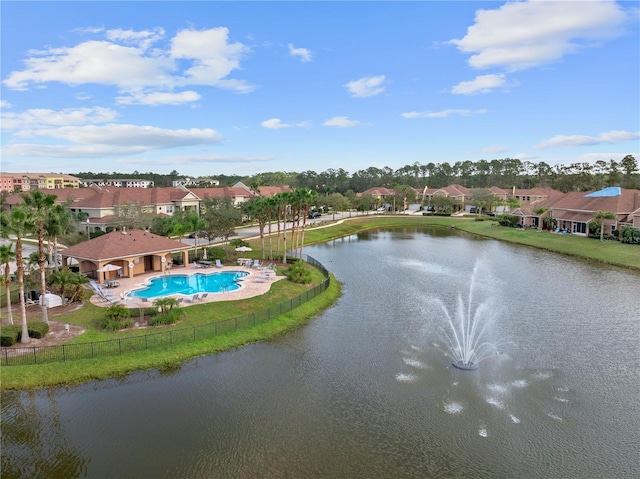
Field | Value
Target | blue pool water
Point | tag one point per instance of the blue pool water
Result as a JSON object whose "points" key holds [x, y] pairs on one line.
{"points": [[220, 282]]}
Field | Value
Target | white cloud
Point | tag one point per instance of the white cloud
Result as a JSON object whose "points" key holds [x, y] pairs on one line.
{"points": [[341, 121], [192, 57], [70, 151], [520, 35], [585, 140], [108, 140], [143, 38], [213, 57], [197, 159], [158, 98], [98, 62], [442, 114], [88, 30], [275, 124], [5, 104], [122, 134], [494, 149], [37, 118], [303, 53], [480, 84], [366, 86]]}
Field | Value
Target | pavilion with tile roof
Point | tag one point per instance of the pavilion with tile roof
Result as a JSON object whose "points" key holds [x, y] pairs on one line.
{"points": [[134, 251]]}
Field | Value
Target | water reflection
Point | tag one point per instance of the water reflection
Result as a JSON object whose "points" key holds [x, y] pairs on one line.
{"points": [[365, 391]]}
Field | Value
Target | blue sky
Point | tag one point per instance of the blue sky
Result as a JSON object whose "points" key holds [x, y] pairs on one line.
{"points": [[210, 88]]}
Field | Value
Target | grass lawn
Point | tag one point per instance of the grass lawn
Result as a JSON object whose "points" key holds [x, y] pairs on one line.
{"points": [[79, 371], [74, 372], [610, 252]]}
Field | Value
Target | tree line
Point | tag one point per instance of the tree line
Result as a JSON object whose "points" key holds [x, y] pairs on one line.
{"points": [[503, 173]]}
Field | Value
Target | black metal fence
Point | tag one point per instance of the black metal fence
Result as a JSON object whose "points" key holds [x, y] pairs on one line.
{"points": [[164, 339]]}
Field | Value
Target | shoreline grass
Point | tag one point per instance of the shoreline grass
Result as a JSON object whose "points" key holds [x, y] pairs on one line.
{"points": [[77, 372]]}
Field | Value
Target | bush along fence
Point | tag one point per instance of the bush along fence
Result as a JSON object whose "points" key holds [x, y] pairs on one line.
{"points": [[165, 339]]}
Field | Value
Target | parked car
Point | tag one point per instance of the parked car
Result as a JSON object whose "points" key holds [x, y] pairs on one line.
{"points": [[201, 234], [314, 214]]}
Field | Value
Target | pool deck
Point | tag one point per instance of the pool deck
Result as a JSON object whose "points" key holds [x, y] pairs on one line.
{"points": [[254, 284]]}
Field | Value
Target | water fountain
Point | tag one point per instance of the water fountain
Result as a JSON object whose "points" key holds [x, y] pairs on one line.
{"points": [[468, 328]]}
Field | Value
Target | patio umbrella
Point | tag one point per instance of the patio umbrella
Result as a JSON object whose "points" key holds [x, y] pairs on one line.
{"points": [[243, 248], [109, 267], [204, 253]]}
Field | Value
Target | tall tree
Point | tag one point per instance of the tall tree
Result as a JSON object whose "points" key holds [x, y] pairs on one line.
{"points": [[40, 205], [221, 217], [255, 209], [630, 167], [7, 255], [18, 222], [58, 221]]}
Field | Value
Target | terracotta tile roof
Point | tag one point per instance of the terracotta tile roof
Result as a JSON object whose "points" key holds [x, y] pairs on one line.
{"points": [[627, 202], [117, 245], [378, 191], [268, 191], [62, 195], [221, 192], [453, 190], [546, 192]]}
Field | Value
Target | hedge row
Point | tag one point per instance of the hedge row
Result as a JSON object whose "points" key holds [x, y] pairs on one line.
{"points": [[12, 334]]}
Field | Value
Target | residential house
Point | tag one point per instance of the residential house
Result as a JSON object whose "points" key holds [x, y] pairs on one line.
{"points": [[118, 182], [196, 182], [535, 195], [573, 212], [36, 181], [134, 252], [238, 195]]}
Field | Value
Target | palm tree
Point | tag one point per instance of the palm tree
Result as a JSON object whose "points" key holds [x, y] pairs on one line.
{"points": [[7, 255], [479, 205], [270, 206], [57, 222], [309, 198], [62, 279], [540, 211], [601, 216], [40, 204], [256, 210], [17, 222]]}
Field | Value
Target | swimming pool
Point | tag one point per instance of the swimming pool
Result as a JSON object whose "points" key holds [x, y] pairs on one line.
{"points": [[220, 282]]}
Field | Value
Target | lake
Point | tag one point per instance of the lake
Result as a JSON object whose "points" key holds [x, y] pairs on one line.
{"points": [[366, 390]]}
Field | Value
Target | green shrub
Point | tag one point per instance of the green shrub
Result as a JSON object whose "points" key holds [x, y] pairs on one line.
{"points": [[110, 324], [10, 335], [169, 317], [165, 304], [215, 253], [117, 312], [117, 317], [297, 273], [237, 242], [37, 329], [629, 235], [509, 220]]}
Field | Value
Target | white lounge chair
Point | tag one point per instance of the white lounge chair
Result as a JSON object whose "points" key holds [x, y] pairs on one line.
{"points": [[193, 298], [218, 263]]}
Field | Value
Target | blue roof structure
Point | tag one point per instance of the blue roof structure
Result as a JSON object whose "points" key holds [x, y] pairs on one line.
{"points": [[609, 191]]}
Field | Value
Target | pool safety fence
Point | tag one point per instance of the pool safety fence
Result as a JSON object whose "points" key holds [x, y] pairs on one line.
{"points": [[165, 339]]}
